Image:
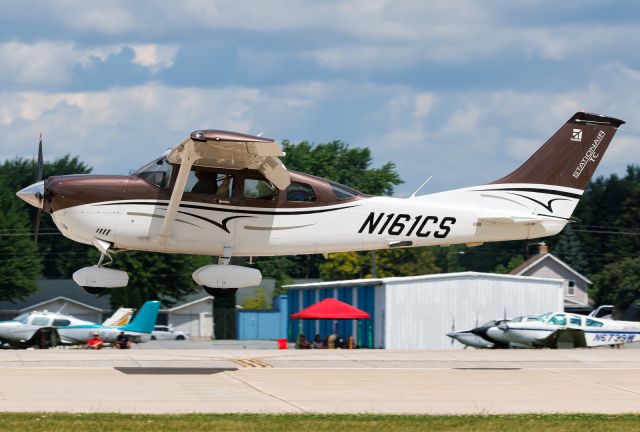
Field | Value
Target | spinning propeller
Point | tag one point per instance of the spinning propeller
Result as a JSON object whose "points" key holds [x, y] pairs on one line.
{"points": [[39, 195]]}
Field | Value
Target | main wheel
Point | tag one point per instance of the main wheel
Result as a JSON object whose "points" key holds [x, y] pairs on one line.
{"points": [[179, 337], [94, 290], [221, 292]]}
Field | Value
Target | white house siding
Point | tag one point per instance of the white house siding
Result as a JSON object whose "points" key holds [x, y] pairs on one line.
{"points": [[195, 319], [548, 268], [419, 312]]}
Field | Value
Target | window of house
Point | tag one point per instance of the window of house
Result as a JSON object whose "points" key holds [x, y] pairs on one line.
{"points": [[259, 189], [300, 192], [571, 288]]}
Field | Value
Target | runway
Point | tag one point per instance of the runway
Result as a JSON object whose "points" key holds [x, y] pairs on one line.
{"points": [[326, 381]]}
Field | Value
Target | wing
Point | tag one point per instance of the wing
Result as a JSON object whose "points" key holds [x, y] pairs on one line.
{"points": [[221, 149], [230, 150], [566, 338]]}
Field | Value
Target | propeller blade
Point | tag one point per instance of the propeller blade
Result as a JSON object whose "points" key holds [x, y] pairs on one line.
{"points": [[39, 175], [37, 225], [40, 170]]}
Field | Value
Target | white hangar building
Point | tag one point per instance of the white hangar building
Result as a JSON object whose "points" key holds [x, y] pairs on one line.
{"points": [[417, 312]]}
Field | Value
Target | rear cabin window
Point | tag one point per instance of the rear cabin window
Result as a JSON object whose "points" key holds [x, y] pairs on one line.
{"points": [[300, 192], [342, 192], [259, 189], [60, 322], [593, 323]]}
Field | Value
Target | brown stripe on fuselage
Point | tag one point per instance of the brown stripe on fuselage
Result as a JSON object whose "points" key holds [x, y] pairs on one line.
{"points": [[63, 192]]}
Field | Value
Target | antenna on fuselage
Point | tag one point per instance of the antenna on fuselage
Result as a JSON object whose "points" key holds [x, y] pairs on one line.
{"points": [[413, 195]]}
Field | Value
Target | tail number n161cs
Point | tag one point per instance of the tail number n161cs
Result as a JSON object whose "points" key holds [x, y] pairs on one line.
{"points": [[404, 224]]}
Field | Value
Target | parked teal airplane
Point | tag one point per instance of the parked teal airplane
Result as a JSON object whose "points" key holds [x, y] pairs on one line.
{"points": [[45, 329]]}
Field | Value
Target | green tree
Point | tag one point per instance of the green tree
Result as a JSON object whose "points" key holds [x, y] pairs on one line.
{"points": [[20, 264], [154, 276], [618, 283], [569, 249], [336, 161], [259, 301], [342, 265], [513, 263]]}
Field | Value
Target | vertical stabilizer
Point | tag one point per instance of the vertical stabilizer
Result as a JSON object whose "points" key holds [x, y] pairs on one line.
{"points": [[570, 157], [145, 319]]}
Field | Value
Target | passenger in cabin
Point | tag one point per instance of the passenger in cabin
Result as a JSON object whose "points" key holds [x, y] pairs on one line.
{"points": [[206, 183]]}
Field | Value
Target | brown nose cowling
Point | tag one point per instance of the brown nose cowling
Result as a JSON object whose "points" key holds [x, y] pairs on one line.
{"points": [[570, 157]]}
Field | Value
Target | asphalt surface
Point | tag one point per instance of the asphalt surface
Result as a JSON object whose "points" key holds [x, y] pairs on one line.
{"points": [[191, 376]]}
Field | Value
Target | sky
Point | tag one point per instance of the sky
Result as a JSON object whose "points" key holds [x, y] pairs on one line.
{"points": [[460, 91]]}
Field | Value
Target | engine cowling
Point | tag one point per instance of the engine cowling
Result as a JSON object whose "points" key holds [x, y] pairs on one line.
{"points": [[227, 276], [101, 277]]}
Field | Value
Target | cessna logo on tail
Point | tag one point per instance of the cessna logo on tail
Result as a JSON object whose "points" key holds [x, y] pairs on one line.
{"points": [[590, 155], [576, 135], [422, 226]]}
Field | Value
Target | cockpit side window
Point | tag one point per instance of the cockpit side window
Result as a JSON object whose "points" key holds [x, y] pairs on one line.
{"points": [[157, 172], [40, 321], [60, 322], [213, 183]]}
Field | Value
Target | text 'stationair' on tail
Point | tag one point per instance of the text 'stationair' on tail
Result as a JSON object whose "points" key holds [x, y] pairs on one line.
{"points": [[570, 157], [145, 319]]}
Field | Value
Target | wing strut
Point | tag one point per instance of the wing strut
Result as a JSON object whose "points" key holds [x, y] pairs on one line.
{"points": [[187, 157]]}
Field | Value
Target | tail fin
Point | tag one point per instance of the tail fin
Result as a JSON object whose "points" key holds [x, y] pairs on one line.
{"points": [[570, 157], [145, 319]]}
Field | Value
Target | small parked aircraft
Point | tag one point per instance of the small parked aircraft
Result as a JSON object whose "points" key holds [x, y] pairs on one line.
{"points": [[557, 330], [44, 329], [223, 193]]}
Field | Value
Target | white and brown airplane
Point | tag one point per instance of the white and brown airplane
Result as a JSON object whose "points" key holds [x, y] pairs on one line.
{"points": [[223, 193]]}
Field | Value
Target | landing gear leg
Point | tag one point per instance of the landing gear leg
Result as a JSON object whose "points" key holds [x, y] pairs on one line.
{"points": [[221, 292]]}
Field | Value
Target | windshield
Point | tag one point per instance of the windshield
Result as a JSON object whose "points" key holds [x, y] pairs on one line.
{"points": [[22, 318], [157, 172], [544, 317]]}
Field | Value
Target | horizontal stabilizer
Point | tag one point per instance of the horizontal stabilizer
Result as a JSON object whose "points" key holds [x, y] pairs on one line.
{"points": [[516, 219]]}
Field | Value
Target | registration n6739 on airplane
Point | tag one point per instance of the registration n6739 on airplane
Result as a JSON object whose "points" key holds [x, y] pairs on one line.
{"points": [[225, 193]]}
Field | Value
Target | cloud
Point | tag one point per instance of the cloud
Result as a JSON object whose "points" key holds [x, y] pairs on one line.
{"points": [[154, 57], [54, 63]]}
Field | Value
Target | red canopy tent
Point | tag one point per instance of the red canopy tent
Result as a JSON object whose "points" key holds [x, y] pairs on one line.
{"points": [[331, 309]]}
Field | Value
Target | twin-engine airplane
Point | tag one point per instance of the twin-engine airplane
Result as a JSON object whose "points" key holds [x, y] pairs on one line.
{"points": [[224, 193], [51, 329]]}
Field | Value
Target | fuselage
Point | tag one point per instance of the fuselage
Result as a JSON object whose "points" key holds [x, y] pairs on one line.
{"points": [[313, 215]]}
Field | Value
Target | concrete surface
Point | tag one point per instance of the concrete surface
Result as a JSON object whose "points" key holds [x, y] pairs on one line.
{"points": [[332, 381]]}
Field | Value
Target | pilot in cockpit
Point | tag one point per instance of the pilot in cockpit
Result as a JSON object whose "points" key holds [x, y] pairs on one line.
{"points": [[206, 183]]}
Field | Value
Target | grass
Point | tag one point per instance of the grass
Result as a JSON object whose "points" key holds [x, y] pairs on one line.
{"points": [[314, 422]]}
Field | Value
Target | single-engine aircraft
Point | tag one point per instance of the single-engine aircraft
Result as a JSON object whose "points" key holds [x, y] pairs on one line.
{"points": [[228, 194], [557, 330], [51, 329]]}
